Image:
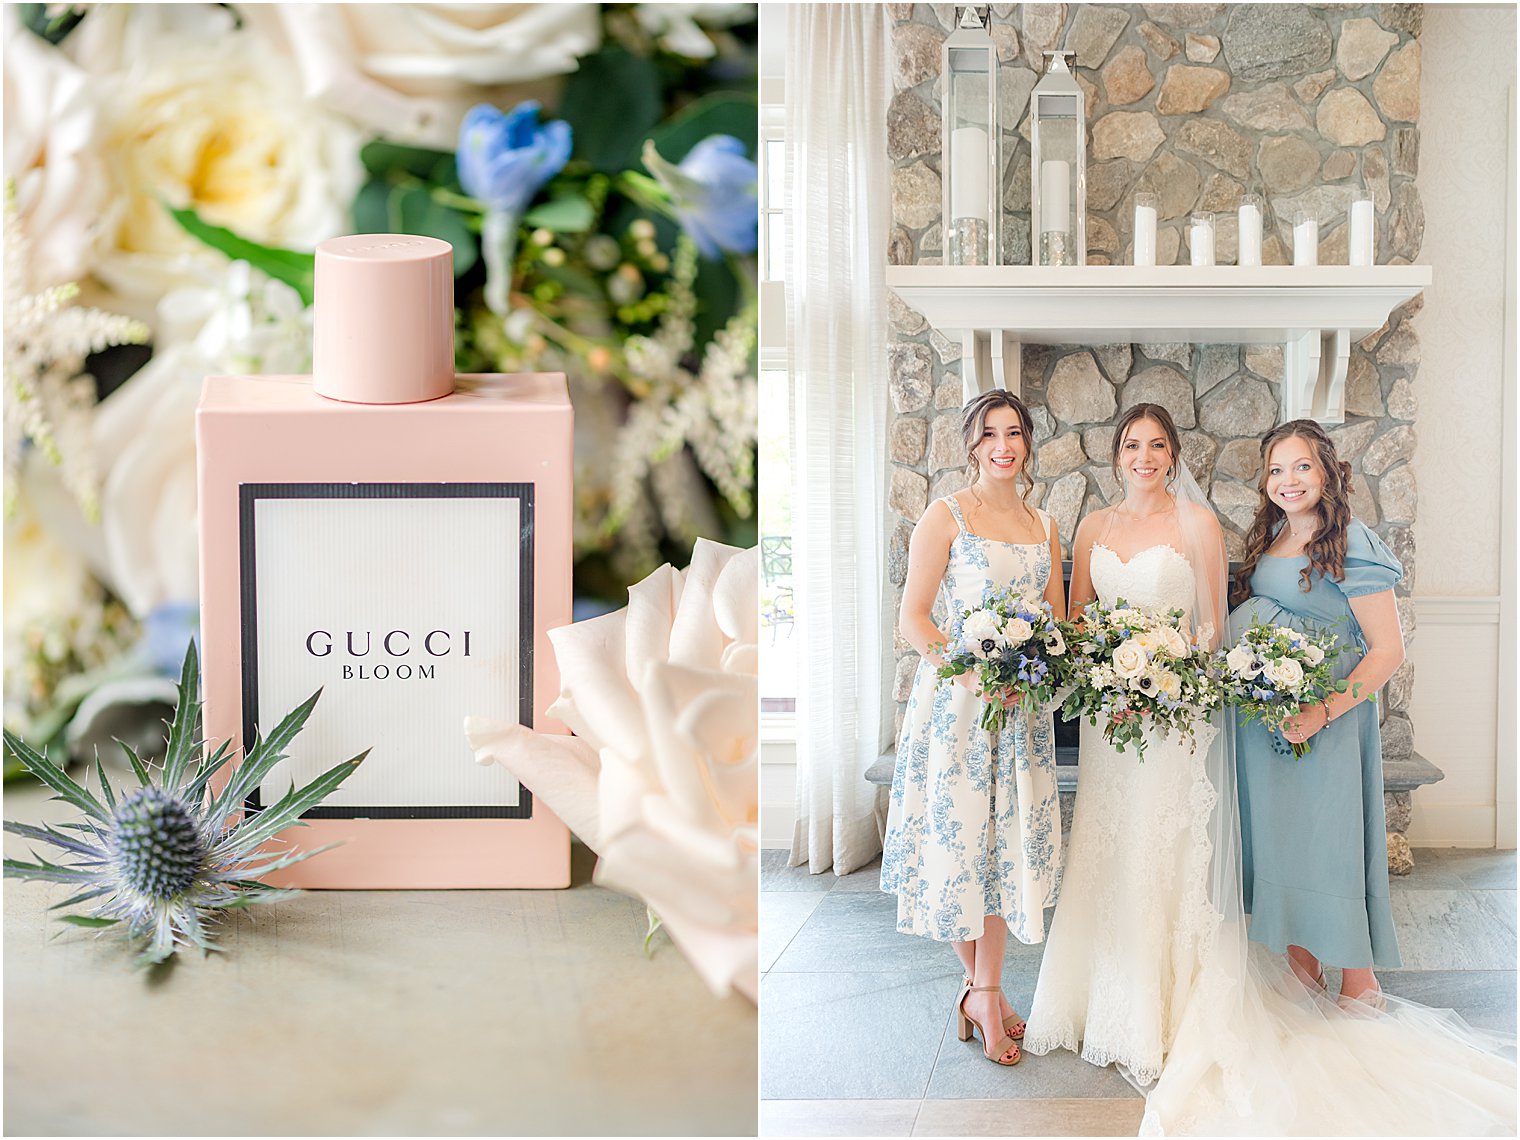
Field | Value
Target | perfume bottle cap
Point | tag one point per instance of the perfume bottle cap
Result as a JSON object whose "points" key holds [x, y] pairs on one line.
{"points": [[384, 319]]}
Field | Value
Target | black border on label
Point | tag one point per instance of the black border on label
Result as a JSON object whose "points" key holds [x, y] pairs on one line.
{"points": [[248, 496]]}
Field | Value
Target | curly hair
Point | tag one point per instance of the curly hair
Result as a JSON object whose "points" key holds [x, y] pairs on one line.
{"points": [[1168, 428], [974, 419], [1327, 549]]}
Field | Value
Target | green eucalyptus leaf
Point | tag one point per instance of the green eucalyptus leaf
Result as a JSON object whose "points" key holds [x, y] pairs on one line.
{"points": [[383, 158], [296, 269], [719, 113], [611, 101], [567, 215]]}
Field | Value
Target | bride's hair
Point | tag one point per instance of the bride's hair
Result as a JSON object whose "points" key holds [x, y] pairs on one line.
{"points": [[1168, 428], [974, 419], [1327, 549]]}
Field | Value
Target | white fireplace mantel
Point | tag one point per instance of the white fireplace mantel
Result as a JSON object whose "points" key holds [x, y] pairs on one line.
{"points": [[1314, 312]]}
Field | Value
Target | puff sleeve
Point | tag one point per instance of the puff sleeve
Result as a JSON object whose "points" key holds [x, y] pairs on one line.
{"points": [[1370, 566]]}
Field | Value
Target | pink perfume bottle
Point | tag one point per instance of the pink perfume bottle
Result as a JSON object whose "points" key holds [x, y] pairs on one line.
{"points": [[398, 537]]}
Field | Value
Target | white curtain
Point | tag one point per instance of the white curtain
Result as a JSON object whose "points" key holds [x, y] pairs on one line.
{"points": [[838, 85]]}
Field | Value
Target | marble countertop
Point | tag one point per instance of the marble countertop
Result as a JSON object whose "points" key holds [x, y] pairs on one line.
{"points": [[371, 1012]]}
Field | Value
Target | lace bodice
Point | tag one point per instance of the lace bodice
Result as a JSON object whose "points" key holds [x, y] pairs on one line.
{"points": [[1156, 579]]}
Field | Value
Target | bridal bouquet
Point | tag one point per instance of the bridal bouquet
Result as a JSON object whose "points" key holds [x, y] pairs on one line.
{"points": [[1134, 669], [1273, 669], [1018, 650]]}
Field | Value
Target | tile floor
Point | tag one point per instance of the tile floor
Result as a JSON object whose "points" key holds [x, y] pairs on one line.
{"points": [[856, 1036]]}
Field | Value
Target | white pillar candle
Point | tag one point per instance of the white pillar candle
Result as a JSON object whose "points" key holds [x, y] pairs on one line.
{"points": [[1055, 196], [1201, 240], [1145, 234], [968, 174], [1306, 241], [1360, 240], [1249, 216]]}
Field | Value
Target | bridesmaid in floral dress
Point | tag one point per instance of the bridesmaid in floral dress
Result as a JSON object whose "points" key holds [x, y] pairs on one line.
{"points": [[973, 838]]}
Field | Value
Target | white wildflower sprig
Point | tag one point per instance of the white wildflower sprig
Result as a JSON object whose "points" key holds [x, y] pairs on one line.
{"points": [[710, 414], [50, 400]]}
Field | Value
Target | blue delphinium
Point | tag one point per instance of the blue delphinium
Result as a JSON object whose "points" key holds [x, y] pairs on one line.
{"points": [[713, 192], [503, 161]]}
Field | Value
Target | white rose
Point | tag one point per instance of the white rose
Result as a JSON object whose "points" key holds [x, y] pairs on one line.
{"points": [[411, 71], [1242, 662], [1173, 642], [1313, 653], [676, 25], [1018, 631], [204, 115], [660, 778], [52, 153], [1129, 660], [144, 433], [1169, 684], [1285, 674]]}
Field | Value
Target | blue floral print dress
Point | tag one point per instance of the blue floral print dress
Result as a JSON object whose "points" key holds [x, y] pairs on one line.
{"points": [[974, 825]]}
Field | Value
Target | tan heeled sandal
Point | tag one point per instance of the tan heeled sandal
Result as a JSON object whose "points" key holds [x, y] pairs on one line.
{"points": [[1013, 1024], [1373, 999], [966, 1026]]}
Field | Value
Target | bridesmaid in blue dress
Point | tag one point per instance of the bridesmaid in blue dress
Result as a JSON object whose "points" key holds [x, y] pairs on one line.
{"points": [[1315, 863]]}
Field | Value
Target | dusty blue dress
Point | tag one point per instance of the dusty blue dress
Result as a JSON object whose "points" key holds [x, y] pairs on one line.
{"points": [[1313, 833]]}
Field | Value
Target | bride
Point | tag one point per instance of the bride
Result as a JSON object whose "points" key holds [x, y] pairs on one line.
{"points": [[1147, 964], [1128, 939]]}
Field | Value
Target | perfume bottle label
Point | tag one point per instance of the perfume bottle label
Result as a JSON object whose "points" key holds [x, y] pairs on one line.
{"points": [[410, 606]]}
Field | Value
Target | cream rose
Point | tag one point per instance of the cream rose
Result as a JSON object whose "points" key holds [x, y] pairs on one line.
{"points": [[201, 114], [1129, 660], [661, 776], [1285, 674], [1173, 642], [1018, 631], [1168, 684], [411, 71]]}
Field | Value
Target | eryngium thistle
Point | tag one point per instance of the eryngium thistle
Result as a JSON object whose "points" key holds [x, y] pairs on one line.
{"points": [[160, 858]]}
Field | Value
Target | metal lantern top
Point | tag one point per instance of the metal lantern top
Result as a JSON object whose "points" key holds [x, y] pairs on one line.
{"points": [[1058, 175], [972, 145]]}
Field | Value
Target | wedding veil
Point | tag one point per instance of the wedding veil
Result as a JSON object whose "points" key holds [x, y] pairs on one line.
{"points": [[1256, 1052]]}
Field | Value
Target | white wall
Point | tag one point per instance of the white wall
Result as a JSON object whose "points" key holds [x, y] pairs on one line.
{"points": [[1463, 706]]}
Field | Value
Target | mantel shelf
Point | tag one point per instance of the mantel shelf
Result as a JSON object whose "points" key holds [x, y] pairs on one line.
{"points": [[1314, 312]]}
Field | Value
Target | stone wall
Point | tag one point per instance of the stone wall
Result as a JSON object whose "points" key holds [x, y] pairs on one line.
{"points": [[1199, 103]]}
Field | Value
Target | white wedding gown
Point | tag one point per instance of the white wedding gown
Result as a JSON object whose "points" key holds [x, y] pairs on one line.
{"points": [[1147, 964], [1126, 943]]}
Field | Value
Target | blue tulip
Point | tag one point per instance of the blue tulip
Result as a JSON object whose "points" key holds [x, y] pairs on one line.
{"points": [[505, 159], [713, 192]]}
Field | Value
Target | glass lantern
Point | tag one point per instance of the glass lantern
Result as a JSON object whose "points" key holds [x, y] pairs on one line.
{"points": [[971, 154], [1058, 178]]}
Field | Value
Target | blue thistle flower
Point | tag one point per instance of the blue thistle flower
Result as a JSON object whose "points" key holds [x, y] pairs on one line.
{"points": [[161, 857]]}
